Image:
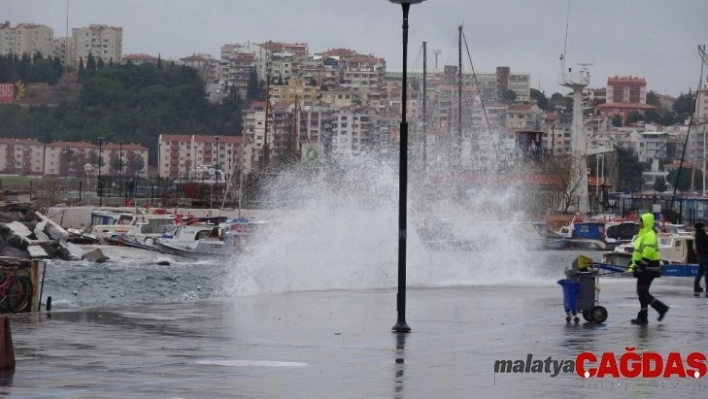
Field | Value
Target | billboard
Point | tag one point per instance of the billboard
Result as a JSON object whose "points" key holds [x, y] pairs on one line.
{"points": [[7, 92]]}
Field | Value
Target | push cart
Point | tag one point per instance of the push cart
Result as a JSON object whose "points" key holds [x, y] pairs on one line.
{"points": [[581, 291]]}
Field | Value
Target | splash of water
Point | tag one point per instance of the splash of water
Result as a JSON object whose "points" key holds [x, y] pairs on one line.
{"points": [[340, 232]]}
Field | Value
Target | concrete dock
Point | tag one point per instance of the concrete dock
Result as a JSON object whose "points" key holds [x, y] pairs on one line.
{"points": [[339, 344]]}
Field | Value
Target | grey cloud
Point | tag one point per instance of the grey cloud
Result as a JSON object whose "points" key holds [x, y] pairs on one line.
{"points": [[656, 39]]}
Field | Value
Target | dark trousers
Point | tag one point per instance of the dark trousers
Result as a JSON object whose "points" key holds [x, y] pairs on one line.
{"points": [[644, 281], [702, 271]]}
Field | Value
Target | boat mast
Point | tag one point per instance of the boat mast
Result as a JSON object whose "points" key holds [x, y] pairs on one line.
{"points": [[459, 92], [264, 164], [425, 103]]}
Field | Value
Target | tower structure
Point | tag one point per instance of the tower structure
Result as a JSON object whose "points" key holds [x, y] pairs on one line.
{"points": [[577, 81]]}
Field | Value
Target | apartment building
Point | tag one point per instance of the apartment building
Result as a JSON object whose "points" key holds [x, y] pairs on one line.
{"points": [[650, 145], [524, 117], [295, 89], [354, 130], [206, 65], [21, 156], [281, 67], [323, 72], [75, 159], [300, 51], [179, 154], [236, 61], [26, 38], [363, 73], [102, 41], [625, 95], [138, 59]]}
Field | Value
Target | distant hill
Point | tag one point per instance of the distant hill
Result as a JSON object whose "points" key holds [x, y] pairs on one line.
{"points": [[66, 89]]}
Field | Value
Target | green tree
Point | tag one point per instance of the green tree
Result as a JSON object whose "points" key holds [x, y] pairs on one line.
{"points": [[617, 120], [135, 164], [684, 179], [91, 62], [507, 96], [634, 117], [159, 61], [99, 63], [660, 185], [629, 170], [653, 99], [540, 98], [252, 90], [651, 116]]}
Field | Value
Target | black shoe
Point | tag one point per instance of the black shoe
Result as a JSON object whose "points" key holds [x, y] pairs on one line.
{"points": [[641, 319], [697, 294], [662, 314]]}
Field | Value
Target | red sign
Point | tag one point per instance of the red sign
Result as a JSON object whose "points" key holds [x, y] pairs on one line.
{"points": [[7, 92]]}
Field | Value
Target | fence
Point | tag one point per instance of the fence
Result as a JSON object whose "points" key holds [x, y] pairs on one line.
{"points": [[115, 191]]}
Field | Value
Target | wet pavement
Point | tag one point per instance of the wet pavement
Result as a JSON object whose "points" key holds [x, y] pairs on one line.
{"points": [[339, 344]]}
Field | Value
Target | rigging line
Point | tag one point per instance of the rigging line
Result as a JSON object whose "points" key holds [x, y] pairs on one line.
{"points": [[418, 57], [481, 96], [567, 19], [474, 76], [688, 134]]}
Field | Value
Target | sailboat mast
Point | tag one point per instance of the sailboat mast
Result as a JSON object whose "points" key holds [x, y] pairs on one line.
{"points": [[425, 103], [264, 165], [459, 93]]}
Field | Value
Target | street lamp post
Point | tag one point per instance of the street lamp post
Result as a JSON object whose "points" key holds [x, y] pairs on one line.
{"points": [[100, 178], [401, 326], [120, 171]]}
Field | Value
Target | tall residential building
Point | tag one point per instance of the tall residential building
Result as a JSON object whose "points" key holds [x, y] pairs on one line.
{"points": [[21, 156], [180, 154], [102, 41], [625, 95], [26, 38]]}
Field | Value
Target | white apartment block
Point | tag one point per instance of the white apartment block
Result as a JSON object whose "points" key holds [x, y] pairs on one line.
{"points": [[26, 39], [650, 145], [354, 130], [21, 156], [364, 73], [520, 83], [282, 66], [524, 117], [105, 42], [180, 154]]}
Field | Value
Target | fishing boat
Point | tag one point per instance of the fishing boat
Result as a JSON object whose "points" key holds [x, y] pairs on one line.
{"points": [[201, 237]]}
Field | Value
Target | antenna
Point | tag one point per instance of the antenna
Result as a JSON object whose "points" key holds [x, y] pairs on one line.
{"points": [[565, 44], [437, 53]]}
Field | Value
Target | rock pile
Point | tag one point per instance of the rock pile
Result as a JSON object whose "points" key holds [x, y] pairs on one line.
{"points": [[27, 234]]}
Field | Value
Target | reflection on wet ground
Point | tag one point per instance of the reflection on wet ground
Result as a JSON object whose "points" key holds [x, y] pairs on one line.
{"points": [[339, 345]]}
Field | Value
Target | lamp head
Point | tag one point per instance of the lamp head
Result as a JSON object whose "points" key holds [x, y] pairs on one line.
{"points": [[406, 1]]}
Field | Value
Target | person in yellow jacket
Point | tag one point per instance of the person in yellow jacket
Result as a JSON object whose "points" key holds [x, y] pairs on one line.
{"points": [[646, 266]]}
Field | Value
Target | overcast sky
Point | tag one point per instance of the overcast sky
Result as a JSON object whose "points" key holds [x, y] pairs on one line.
{"points": [[654, 39]]}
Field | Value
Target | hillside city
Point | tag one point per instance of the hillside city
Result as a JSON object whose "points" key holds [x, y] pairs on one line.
{"points": [[338, 103]]}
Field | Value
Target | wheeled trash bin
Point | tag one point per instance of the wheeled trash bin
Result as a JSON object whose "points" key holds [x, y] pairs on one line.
{"points": [[581, 295]]}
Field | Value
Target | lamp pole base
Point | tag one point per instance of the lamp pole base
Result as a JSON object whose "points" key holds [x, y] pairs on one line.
{"points": [[401, 327]]}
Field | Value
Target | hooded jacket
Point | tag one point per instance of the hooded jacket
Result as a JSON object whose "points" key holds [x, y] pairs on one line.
{"points": [[646, 256]]}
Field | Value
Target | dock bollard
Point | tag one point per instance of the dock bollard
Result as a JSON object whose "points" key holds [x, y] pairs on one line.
{"points": [[49, 303], [7, 349]]}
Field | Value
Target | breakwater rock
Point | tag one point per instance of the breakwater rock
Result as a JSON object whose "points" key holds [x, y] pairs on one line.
{"points": [[26, 233]]}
